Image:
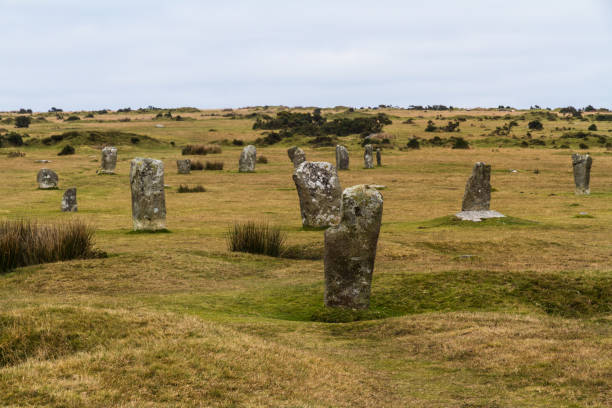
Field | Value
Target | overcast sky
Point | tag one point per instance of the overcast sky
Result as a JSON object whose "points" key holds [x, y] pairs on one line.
{"points": [[76, 54]]}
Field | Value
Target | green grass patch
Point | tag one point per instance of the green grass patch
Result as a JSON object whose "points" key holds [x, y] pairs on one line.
{"points": [[452, 221]]}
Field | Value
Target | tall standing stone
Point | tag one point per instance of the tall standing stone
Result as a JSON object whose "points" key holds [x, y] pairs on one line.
{"points": [[378, 157], [582, 172], [477, 195], [342, 158], [319, 192], [248, 157], [350, 249], [148, 197], [296, 155], [368, 159], [69, 200], [108, 161], [47, 179], [183, 166]]}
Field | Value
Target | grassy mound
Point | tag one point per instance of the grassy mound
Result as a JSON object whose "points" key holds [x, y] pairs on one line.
{"points": [[96, 137]]}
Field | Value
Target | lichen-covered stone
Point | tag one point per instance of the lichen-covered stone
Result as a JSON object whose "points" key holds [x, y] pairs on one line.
{"points": [[248, 157], [582, 172], [183, 166], [69, 200], [319, 192], [378, 157], [368, 157], [350, 249], [108, 161], [296, 155], [342, 158], [148, 197], [47, 179], [477, 195]]}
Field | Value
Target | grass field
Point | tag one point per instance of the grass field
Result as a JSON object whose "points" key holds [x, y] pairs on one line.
{"points": [[514, 312]]}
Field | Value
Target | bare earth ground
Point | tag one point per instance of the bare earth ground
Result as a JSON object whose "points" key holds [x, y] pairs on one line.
{"points": [[515, 313]]}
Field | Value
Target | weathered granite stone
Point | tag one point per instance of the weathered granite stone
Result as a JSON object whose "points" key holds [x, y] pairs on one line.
{"points": [[342, 158], [582, 172], [368, 159], [477, 195], [109, 160], [148, 198], [350, 249], [47, 179], [69, 200], [248, 157], [296, 155], [183, 166], [378, 157], [477, 216], [319, 192]]}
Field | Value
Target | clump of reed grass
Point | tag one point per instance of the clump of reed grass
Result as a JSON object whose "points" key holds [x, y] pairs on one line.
{"points": [[215, 165], [201, 149], [197, 165], [186, 189], [24, 242], [262, 159], [256, 238]]}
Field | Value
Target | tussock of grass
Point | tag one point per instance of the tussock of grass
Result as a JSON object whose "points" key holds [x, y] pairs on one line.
{"points": [[201, 149], [215, 165], [186, 189], [256, 238], [25, 243], [304, 251]]}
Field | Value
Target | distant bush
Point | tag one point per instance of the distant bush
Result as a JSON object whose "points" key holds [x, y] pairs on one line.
{"points": [[408, 121], [256, 238], [593, 127], [25, 243], [72, 118], [460, 143], [237, 142], [13, 139], [583, 146], [23, 121], [262, 159], [197, 165], [451, 126], [413, 143], [23, 110], [89, 115], [589, 108], [134, 140], [216, 165], [186, 189], [54, 109], [124, 120], [603, 117], [200, 149], [535, 125], [66, 150]]}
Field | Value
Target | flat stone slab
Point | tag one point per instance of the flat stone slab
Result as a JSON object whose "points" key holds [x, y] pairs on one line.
{"points": [[477, 216]]}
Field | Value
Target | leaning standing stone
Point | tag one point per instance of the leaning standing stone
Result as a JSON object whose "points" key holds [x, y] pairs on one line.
{"points": [[582, 172], [368, 159], [477, 195], [350, 249], [183, 166], [378, 157], [319, 192], [47, 179], [296, 155], [247, 159], [109, 160], [69, 200], [148, 198], [342, 158]]}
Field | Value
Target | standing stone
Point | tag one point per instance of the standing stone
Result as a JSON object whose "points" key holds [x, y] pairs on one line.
{"points": [[582, 173], [350, 249], [368, 158], [319, 192], [183, 166], [296, 155], [47, 179], [378, 157], [477, 195], [69, 200], [248, 157], [109, 160], [342, 158], [148, 198]]}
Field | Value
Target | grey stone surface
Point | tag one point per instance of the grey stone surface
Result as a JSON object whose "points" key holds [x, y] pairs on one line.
{"points": [[342, 158], [109, 160], [378, 157], [69, 200], [319, 193], [477, 216], [47, 179], [582, 173], [148, 197], [248, 157], [477, 195], [368, 157], [350, 249], [183, 166], [296, 155]]}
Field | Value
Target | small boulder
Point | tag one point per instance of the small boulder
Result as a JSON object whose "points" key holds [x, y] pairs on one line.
{"points": [[148, 197], [183, 166], [248, 157], [69, 200], [47, 179], [342, 158], [319, 193]]}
